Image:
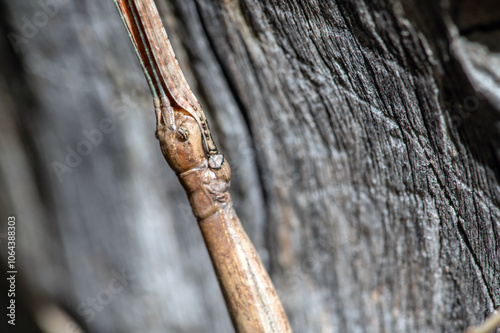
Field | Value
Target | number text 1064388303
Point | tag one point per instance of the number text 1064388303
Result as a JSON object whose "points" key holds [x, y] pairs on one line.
{"points": [[11, 269]]}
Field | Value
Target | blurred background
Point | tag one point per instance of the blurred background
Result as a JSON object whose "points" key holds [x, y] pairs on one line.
{"points": [[363, 139]]}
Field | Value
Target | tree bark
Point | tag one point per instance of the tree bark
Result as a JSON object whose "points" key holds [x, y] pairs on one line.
{"points": [[363, 136]]}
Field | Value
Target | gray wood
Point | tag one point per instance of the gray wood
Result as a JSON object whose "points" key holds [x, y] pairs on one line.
{"points": [[364, 142]]}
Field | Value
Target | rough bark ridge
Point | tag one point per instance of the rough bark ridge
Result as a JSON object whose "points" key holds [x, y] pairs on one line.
{"points": [[364, 142]]}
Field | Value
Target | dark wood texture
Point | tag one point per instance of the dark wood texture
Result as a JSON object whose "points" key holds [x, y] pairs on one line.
{"points": [[363, 138]]}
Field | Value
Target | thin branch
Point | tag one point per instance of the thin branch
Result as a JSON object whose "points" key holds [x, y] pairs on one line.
{"points": [[187, 145]]}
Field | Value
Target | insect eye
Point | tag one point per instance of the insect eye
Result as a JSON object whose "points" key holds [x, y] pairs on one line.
{"points": [[182, 134]]}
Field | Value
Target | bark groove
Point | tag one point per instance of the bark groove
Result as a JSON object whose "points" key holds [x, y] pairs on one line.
{"points": [[363, 137]]}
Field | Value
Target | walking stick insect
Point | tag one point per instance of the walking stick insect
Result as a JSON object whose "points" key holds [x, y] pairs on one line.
{"points": [[188, 147]]}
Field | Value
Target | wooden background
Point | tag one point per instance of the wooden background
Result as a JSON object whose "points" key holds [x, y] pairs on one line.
{"points": [[363, 136]]}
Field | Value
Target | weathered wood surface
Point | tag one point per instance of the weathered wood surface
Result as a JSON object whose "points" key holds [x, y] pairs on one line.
{"points": [[363, 138]]}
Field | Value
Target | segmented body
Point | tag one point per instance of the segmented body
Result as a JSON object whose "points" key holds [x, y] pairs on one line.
{"points": [[165, 78], [187, 145], [181, 144], [250, 296]]}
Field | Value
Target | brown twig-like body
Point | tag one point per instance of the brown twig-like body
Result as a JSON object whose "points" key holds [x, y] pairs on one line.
{"points": [[187, 145], [490, 324]]}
